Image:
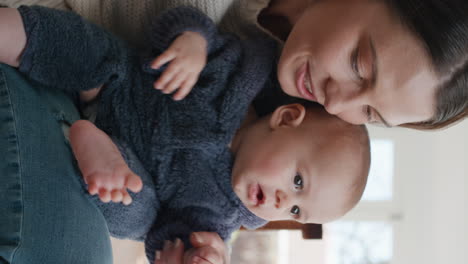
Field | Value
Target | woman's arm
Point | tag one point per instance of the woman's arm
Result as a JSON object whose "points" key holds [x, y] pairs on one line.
{"points": [[12, 36]]}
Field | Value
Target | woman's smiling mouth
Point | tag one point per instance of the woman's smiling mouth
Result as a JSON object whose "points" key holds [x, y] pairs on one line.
{"points": [[304, 83]]}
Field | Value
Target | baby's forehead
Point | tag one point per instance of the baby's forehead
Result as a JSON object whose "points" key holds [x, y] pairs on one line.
{"points": [[326, 202], [332, 138], [338, 162], [343, 153], [321, 125], [337, 159]]}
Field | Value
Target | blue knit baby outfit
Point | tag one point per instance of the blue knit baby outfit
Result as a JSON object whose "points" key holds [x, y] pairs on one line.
{"points": [[179, 148]]}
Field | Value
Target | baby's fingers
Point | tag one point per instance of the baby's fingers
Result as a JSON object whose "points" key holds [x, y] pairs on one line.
{"points": [[167, 76], [162, 59], [175, 83], [185, 88]]}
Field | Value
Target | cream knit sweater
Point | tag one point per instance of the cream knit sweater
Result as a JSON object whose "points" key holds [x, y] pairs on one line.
{"points": [[129, 18], [58, 4]]}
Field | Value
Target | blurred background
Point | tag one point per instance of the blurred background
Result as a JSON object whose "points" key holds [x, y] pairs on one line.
{"points": [[414, 210]]}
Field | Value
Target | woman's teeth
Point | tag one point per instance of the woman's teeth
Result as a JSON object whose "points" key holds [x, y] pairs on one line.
{"points": [[307, 83]]}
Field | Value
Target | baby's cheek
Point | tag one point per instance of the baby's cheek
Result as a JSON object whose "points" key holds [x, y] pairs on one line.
{"points": [[269, 167]]}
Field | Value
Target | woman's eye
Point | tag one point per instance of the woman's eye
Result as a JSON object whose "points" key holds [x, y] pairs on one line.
{"points": [[295, 211], [355, 64], [298, 183], [369, 114]]}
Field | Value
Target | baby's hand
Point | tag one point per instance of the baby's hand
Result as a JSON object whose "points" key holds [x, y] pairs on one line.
{"points": [[187, 56]]}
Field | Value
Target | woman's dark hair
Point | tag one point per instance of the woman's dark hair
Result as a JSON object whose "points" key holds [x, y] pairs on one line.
{"points": [[442, 26]]}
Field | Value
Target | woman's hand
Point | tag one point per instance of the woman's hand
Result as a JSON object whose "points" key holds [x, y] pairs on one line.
{"points": [[12, 36], [208, 248], [172, 253]]}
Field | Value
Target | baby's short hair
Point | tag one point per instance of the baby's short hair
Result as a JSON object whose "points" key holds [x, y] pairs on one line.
{"points": [[354, 141]]}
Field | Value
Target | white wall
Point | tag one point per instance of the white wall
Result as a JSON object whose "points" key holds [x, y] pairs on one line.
{"points": [[431, 171]]}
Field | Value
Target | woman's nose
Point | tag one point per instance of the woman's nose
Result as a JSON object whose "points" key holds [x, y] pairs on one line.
{"points": [[345, 101]]}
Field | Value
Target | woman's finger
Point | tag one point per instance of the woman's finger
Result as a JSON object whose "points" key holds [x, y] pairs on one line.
{"points": [[200, 239], [199, 260], [207, 255], [172, 253], [157, 257], [219, 254]]}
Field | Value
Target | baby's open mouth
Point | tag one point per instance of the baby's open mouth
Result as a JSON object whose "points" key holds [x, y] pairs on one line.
{"points": [[256, 195], [260, 196]]}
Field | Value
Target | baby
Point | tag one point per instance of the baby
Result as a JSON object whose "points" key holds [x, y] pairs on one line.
{"points": [[205, 163]]}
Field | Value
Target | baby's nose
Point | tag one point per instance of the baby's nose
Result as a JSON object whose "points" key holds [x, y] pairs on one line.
{"points": [[281, 199]]}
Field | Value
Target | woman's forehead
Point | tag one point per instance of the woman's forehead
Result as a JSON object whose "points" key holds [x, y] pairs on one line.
{"points": [[406, 86]]}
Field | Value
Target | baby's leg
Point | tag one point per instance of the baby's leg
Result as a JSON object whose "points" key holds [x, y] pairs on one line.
{"points": [[101, 164]]}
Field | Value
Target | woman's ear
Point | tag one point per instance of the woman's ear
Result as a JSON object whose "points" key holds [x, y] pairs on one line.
{"points": [[290, 115]]}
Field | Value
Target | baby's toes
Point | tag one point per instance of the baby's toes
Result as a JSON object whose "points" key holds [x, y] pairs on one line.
{"points": [[134, 183], [93, 189], [104, 195], [126, 199], [116, 196]]}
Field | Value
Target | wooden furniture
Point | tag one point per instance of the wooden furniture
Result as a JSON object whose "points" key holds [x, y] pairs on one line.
{"points": [[309, 231]]}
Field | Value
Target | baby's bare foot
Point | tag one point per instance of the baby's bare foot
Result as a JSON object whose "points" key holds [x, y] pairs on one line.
{"points": [[101, 164], [111, 184]]}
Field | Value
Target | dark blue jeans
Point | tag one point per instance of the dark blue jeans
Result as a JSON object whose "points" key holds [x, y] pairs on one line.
{"points": [[44, 215]]}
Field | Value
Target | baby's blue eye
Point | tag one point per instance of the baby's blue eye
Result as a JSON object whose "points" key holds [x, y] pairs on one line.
{"points": [[295, 211], [298, 183]]}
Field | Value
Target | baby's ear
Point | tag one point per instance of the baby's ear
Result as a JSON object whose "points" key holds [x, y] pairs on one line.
{"points": [[290, 115]]}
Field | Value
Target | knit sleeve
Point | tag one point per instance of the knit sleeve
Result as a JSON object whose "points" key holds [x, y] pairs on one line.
{"points": [[175, 21], [66, 52]]}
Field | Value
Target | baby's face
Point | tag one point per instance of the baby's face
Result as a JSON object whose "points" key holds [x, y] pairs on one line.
{"points": [[300, 174]]}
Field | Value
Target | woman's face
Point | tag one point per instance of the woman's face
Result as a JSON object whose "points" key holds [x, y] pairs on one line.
{"points": [[357, 60]]}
